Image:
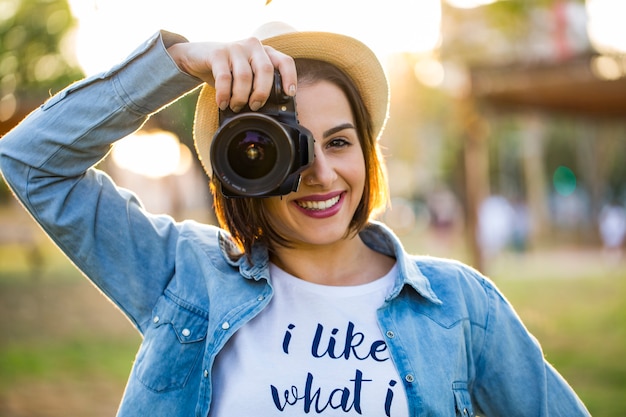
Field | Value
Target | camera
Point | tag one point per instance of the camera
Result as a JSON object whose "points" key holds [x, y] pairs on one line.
{"points": [[261, 153]]}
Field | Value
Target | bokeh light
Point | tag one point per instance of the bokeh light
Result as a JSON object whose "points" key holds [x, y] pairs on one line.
{"points": [[154, 154], [429, 71], [608, 67], [564, 181]]}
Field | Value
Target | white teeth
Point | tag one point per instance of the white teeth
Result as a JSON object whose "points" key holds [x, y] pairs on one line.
{"points": [[318, 205]]}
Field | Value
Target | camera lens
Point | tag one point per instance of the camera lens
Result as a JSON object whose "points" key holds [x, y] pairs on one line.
{"points": [[252, 154]]}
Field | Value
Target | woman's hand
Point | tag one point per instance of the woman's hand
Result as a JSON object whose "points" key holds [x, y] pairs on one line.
{"points": [[242, 72]]}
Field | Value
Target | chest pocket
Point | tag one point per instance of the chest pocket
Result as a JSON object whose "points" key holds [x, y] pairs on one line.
{"points": [[172, 347], [462, 399]]}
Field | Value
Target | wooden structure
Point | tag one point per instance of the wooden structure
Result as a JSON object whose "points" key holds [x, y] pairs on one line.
{"points": [[567, 87]]}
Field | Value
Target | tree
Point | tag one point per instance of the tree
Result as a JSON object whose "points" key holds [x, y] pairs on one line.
{"points": [[36, 57], [35, 54]]}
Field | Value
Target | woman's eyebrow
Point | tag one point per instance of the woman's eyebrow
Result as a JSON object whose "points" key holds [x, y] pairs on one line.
{"points": [[338, 128]]}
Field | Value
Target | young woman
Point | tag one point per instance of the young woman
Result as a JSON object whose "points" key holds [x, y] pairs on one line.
{"points": [[298, 304]]}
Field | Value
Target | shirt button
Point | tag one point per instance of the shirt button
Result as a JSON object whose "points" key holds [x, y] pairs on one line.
{"points": [[226, 325], [206, 373], [186, 332], [155, 319], [409, 378], [260, 298], [390, 334]]}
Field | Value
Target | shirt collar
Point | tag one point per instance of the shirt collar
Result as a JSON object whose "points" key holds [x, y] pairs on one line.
{"points": [[382, 239], [375, 235]]}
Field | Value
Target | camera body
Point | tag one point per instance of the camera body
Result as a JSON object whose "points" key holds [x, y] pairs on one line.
{"points": [[261, 153]]}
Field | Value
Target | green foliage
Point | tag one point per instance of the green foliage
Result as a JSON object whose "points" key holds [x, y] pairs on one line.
{"points": [[178, 118], [506, 171], [34, 55], [495, 33]]}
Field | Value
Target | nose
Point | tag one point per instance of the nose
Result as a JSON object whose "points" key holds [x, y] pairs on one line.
{"points": [[321, 173]]}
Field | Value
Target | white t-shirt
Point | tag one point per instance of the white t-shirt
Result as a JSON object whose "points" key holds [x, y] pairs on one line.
{"points": [[314, 350]]}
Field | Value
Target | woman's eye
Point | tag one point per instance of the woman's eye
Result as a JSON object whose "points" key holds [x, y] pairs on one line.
{"points": [[338, 143]]}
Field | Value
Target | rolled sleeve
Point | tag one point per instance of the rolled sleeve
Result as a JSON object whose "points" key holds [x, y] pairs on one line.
{"points": [[147, 87]]}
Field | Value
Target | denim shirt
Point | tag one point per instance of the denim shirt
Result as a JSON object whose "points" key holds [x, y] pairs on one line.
{"points": [[457, 344]]}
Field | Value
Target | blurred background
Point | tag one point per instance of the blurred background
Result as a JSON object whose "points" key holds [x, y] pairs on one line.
{"points": [[506, 149]]}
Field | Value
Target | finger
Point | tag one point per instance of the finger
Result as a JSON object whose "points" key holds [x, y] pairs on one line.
{"points": [[223, 79], [263, 83], [287, 68], [242, 74]]}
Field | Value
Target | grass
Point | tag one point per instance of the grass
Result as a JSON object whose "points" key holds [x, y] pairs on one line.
{"points": [[75, 358], [581, 324], [64, 350]]}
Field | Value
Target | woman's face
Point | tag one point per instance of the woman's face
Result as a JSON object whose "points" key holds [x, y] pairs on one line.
{"points": [[320, 212]]}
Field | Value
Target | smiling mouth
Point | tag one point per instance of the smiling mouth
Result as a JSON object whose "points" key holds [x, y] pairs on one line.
{"points": [[318, 205]]}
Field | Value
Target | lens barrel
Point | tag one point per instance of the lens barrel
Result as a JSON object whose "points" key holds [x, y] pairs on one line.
{"points": [[256, 154]]}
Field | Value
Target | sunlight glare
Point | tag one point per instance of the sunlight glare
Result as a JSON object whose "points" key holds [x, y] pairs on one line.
{"points": [[469, 4], [153, 154], [606, 28], [109, 29], [388, 27]]}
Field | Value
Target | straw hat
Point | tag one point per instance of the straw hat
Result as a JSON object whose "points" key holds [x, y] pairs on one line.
{"points": [[348, 54]]}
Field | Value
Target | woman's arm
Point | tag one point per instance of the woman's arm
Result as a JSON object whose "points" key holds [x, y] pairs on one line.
{"points": [[47, 160], [512, 376]]}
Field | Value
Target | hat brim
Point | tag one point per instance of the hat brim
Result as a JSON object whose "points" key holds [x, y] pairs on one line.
{"points": [[350, 55]]}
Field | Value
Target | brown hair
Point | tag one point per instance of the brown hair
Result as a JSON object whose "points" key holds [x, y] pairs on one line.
{"points": [[247, 220]]}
